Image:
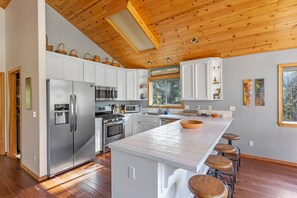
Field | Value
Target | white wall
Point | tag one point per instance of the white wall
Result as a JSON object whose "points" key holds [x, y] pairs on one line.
{"points": [[60, 30], [23, 48], [259, 124]]}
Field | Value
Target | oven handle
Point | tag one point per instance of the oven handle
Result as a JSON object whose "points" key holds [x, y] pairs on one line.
{"points": [[114, 123]]}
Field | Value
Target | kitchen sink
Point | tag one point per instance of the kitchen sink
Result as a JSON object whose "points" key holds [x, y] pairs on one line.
{"points": [[150, 113]]}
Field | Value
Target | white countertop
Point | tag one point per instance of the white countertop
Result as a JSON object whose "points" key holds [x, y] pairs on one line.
{"points": [[175, 146]]}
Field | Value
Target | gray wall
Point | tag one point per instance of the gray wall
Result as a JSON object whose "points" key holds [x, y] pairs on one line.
{"points": [[258, 124]]}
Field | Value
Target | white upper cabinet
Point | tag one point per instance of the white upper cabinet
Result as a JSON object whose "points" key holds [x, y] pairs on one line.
{"points": [[188, 80], [121, 84], [105, 76], [202, 91], [202, 79], [73, 69], [131, 85], [111, 74], [89, 72], [100, 75], [54, 66]]}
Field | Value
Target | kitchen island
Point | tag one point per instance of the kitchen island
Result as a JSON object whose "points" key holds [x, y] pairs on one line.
{"points": [[159, 162]]}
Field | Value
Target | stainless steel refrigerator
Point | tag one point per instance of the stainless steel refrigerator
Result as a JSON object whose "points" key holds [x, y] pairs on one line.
{"points": [[71, 124]]}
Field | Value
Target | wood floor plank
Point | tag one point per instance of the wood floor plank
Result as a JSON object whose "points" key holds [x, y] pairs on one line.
{"points": [[256, 179]]}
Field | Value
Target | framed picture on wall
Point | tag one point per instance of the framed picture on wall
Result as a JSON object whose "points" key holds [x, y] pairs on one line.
{"points": [[28, 93]]}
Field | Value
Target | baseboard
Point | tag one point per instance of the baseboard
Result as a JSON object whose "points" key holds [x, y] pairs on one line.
{"points": [[264, 159], [33, 174]]}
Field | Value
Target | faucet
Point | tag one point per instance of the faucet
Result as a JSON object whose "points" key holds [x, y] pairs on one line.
{"points": [[160, 111], [198, 110]]}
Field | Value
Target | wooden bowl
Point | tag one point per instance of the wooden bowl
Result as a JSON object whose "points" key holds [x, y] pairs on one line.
{"points": [[191, 124], [215, 115]]}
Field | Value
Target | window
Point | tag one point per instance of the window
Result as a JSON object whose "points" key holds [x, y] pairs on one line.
{"points": [[287, 77], [165, 92]]}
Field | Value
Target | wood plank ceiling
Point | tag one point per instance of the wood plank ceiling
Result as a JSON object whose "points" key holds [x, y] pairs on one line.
{"points": [[225, 28], [4, 3]]}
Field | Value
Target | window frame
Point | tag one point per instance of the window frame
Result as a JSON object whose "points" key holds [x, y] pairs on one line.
{"points": [[164, 77], [281, 123]]}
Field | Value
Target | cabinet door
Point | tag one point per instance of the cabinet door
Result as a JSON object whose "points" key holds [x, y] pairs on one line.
{"points": [[73, 69], [131, 85], [188, 81], [202, 88], [98, 135], [100, 75], [139, 127], [89, 72], [121, 84], [128, 124], [54, 66], [151, 125], [111, 74]]}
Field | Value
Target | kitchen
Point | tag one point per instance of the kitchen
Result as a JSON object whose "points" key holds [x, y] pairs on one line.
{"points": [[205, 60]]}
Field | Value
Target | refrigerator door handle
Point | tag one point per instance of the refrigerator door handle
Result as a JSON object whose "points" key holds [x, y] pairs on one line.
{"points": [[75, 113], [71, 113]]}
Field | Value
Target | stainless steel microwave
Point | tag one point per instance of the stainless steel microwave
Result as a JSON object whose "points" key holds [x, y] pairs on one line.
{"points": [[105, 93]]}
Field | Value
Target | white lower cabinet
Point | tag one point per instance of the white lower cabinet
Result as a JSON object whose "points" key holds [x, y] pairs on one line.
{"points": [[128, 125], [143, 123], [98, 135]]}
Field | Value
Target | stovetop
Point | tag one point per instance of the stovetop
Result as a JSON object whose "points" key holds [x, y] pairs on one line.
{"points": [[108, 116]]}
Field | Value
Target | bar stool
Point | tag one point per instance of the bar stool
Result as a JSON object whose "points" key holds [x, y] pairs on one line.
{"points": [[204, 186], [224, 149], [221, 166], [231, 137]]}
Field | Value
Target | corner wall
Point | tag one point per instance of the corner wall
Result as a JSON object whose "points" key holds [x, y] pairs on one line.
{"points": [[259, 124], [24, 32]]}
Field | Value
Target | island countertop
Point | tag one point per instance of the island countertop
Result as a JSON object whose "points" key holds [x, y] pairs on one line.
{"points": [[173, 145]]}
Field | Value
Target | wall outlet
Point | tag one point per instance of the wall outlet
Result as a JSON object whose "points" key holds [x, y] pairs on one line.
{"points": [[251, 143], [232, 108], [131, 172], [34, 114]]}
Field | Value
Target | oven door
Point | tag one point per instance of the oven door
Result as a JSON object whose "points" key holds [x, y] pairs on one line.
{"points": [[114, 131]]}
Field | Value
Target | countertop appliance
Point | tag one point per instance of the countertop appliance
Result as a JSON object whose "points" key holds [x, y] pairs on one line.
{"points": [[113, 127], [132, 108], [105, 93], [71, 124]]}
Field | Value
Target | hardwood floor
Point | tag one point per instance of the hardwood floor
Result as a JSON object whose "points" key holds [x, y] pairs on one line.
{"points": [[256, 179]]}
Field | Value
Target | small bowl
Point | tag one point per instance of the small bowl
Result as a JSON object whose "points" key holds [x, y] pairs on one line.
{"points": [[215, 115], [191, 124]]}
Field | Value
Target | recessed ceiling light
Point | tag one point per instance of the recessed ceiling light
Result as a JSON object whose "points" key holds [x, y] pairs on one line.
{"points": [[194, 40], [149, 62], [169, 59]]}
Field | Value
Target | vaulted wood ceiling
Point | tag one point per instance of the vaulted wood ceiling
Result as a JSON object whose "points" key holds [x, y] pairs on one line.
{"points": [[225, 28], [4, 3]]}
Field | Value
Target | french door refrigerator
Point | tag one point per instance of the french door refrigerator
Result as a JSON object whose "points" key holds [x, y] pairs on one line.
{"points": [[71, 124]]}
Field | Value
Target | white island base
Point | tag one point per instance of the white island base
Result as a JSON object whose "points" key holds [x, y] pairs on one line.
{"points": [[138, 177], [158, 163]]}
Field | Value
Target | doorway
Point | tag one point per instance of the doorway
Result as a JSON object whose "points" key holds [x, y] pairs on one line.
{"points": [[2, 113], [15, 98]]}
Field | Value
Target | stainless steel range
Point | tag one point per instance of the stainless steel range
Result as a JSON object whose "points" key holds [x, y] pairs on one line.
{"points": [[113, 126]]}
